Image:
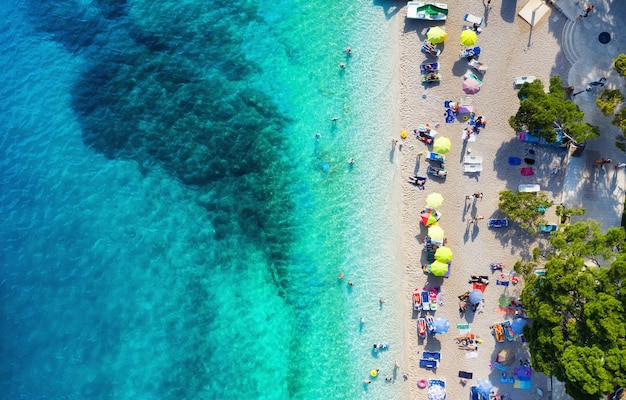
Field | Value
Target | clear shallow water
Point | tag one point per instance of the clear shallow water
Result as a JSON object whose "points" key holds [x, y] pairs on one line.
{"points": [[171, 228]]}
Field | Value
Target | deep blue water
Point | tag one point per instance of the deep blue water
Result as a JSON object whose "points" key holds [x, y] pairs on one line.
{"points": [[171, 225]]}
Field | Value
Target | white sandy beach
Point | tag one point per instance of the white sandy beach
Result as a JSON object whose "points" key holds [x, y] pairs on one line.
{"points": [[510, 49]]}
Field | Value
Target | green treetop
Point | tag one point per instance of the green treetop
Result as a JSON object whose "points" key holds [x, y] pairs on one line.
{"points": [[578, 332], [544, 113]]}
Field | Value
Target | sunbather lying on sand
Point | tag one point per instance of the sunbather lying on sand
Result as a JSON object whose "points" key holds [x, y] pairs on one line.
{"points": [[464, 296], [484, 279], [470, 347], [462, 305]]}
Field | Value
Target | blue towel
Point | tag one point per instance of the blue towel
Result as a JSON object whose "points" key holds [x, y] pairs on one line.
{"points": [[449, 116], [515, 161]]}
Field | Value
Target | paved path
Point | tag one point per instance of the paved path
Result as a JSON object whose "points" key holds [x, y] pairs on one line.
{"points": [[599, 190]]}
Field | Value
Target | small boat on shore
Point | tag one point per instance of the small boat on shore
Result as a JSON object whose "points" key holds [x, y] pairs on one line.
{"points": [[427, 11]]}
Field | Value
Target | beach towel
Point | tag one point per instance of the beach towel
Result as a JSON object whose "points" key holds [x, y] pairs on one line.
{"points": [[449, 116], [502, 283], [504, 301], [523, 384], [447, 274], [463, 328], [480, 287], [527, 171], [499, 366], [466, 375], [506, 379], [471, 354], [504, 310], [515, 161]]}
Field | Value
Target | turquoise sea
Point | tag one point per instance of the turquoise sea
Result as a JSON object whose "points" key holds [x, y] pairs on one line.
{"points": [[171, 227]]}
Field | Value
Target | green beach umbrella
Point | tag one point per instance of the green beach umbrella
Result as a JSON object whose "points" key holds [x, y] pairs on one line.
{"points": [[442, 145], [438, 268], [435, 232], [434, 200], [468, 37], [443, 254], [436, 35]]}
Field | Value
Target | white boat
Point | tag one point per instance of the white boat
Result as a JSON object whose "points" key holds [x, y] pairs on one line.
{"points": [[425, 10]]}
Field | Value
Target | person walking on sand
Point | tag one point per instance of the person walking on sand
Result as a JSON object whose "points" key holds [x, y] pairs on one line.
{"points": [[478, 195]]}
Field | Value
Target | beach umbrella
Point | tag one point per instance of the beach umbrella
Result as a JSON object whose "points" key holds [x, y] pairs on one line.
{"points": [[442, 145], [428, 218], [468, 37], [484, 387], [435, 232], [442, 325], [436, 392], [436, 35], [471, 86], [467, 109], [438, 268], [518, 325], [434, 200], [506, 357], [475, 296], [443, 254]]}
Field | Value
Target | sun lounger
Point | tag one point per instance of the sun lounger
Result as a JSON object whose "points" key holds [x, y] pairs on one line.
{"points": [[528, 188], [437, 382], [431, 355], [430, 49], [466, 375], [425, 301], [429, 67], [469, 52], [432, 156], [499, 366], [498, 223], [421, 327], [520, 80], [430, 322], [431, 77], [429, 363], [472, 160], [502, 283], [472, 19], [472, 168]]}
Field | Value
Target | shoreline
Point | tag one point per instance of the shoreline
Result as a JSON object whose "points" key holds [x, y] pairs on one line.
{"points": [[510, 49]]}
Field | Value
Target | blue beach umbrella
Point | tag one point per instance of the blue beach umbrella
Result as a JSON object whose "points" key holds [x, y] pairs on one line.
{"points": [[475, 296], [442, 325], [517, 325]]}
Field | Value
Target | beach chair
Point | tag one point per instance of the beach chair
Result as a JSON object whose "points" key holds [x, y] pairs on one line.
{"points": [[440, 172], [431, 355], [421, 327], [498, 223], [431, 77], [508, 331], [469, 52], [417, 300], [477, 66], [437, 382], [430, 322], [429, 67], [432, 156], [520, 80], [425, 301], [472, 160], [430, 49], [472, 168], [432, 299], [528, 188], [472, 19], [430, 364]]}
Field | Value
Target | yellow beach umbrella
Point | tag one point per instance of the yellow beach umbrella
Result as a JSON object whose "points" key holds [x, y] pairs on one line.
{"points": [[435, 232], [436, 35], [442, 145], [438, 268], [443, 254], [434, 200], [468, 37]]}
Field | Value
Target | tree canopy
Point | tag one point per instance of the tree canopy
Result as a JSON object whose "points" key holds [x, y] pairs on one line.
{"points": [[619, 64], [544, 113], [527, 209], [578, 332]]}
